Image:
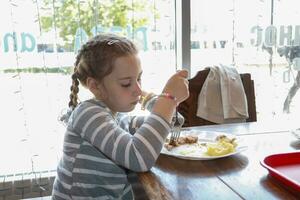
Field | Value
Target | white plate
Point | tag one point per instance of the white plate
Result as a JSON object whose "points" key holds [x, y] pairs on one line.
{"points": [[197, 151]]}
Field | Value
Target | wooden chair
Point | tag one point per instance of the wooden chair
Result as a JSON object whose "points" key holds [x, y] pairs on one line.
{"points": [[188, 108]]}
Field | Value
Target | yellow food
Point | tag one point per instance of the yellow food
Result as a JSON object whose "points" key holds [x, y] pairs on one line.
{"points": [[223, 146]]}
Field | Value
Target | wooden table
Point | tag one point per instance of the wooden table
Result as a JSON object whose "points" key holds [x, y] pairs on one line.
{"points": [[237, 177]]}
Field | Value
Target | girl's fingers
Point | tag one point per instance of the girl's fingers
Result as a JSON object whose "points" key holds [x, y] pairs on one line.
{"points": [[183, 73]]}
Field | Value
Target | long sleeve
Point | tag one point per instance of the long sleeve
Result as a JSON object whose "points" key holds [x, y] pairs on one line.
{"points": [[130, 123], [137, 152], [149, 105]]}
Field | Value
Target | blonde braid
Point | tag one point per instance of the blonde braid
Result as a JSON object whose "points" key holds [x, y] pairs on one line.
{"points": [[74, 91]]}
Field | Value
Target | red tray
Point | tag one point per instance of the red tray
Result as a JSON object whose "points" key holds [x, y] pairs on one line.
{"points": [[285, 167]]}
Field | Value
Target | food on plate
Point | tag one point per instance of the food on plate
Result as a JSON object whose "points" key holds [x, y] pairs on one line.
{"points": [[190, 145], [206, 145], [226, 139], [222, 146], [187, 139]]}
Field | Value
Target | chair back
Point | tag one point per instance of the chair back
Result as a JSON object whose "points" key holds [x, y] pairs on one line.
{"points": [[188, 108]]}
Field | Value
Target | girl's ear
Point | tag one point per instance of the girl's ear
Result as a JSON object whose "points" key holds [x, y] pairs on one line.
{"points": [[92, 85], [96, 88]]}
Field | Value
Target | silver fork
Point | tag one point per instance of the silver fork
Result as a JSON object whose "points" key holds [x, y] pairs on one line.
{"points": [[176, 129]]}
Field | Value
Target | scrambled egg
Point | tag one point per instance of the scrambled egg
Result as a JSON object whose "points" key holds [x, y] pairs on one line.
{"points": [[222, 146]]}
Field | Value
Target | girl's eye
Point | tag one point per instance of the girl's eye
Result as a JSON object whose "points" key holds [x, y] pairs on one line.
{"points": [[126, 85]]}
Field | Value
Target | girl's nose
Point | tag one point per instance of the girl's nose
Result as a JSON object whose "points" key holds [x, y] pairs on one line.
{"points": [[137, 89]]}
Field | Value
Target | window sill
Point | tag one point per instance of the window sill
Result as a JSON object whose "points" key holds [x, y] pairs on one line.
{"points": [[27, 186]]}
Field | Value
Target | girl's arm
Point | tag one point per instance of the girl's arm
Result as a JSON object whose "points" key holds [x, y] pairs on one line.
{"points": [[137, 152]]}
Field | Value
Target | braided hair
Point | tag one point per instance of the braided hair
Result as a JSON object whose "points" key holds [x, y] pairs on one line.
{"points": [[95, 59]]}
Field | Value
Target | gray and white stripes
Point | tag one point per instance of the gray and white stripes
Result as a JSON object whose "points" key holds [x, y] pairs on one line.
{"points": [[97, 148]]}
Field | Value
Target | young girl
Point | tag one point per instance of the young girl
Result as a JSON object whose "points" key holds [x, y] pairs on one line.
{"points": [[101, 141]]}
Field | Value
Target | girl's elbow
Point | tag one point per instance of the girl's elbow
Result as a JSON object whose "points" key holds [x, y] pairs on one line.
{"points": [[144, 168]]}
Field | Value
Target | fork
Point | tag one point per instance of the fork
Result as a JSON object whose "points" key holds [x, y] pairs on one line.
{"points": [[176, 129]]}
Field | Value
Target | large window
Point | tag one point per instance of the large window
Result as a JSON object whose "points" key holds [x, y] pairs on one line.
{"points": [[39, 41]]}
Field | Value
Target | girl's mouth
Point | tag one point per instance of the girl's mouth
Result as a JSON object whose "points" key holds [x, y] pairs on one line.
{"points": [[134, 103]]}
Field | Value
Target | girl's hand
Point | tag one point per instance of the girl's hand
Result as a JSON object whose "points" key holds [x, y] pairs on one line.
{"points": [[178, 86]]}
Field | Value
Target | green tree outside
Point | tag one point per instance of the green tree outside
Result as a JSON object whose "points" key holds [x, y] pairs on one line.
{"points": [[66, 16]]}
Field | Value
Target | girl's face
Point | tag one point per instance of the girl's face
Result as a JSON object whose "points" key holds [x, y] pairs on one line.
{"points": [[121, 89]]}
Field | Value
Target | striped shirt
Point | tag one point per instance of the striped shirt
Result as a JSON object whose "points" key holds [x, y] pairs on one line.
{"points": [[98, 147]]}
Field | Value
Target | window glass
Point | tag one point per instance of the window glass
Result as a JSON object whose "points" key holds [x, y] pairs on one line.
{"points": [[39, 41], [252, 36]]}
